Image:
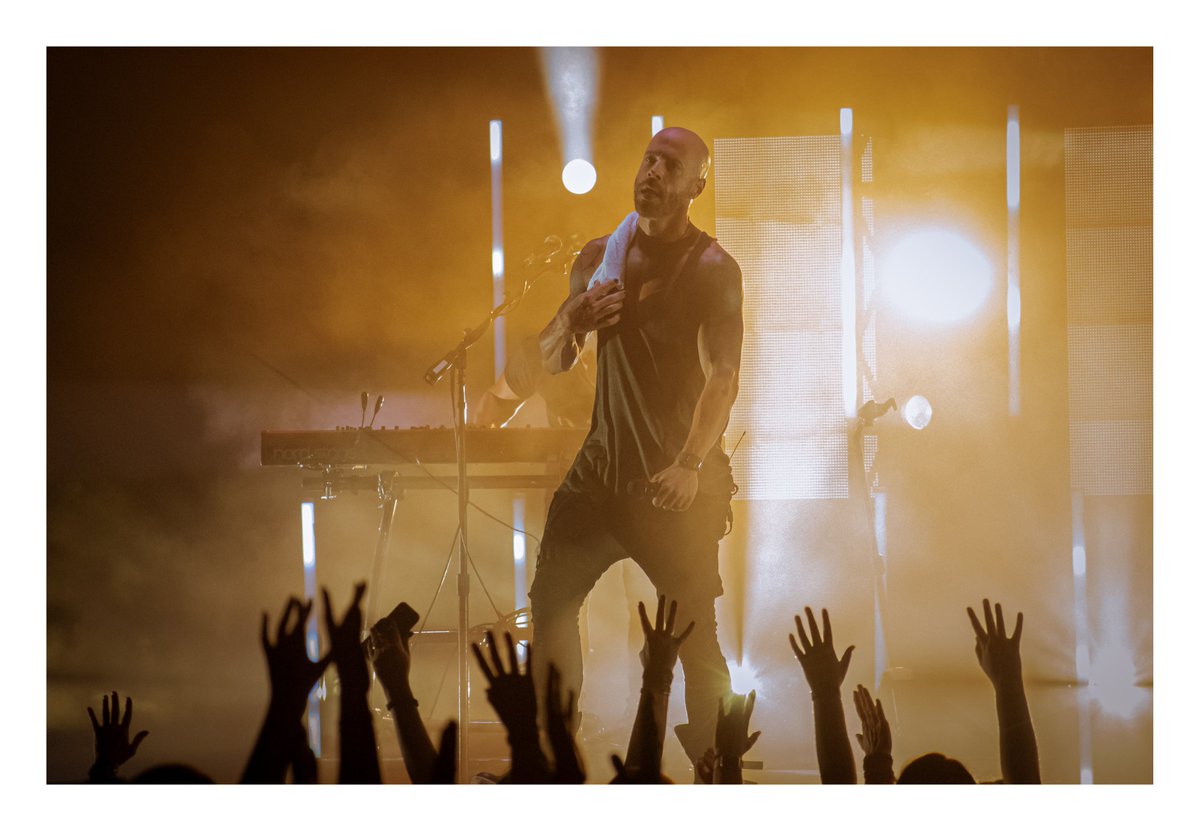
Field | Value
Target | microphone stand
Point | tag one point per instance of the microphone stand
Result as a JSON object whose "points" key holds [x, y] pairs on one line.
{"points": [[455, 362], [867, 414]]}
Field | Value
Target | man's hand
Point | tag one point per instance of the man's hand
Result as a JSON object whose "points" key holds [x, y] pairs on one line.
{"points": [[662, 646], [876, 735], [677, 487], [345, 647], [999, 656], [292, 673], [733, 726], [113, 747], [822, 667], [596, 308]]}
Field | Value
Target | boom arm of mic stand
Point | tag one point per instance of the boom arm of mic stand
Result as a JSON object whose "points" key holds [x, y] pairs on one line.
{"points": [[470, 337]]}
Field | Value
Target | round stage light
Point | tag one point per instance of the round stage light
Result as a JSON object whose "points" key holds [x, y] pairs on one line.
{"points": [[579, 176], [936, 276], [917, 412]]}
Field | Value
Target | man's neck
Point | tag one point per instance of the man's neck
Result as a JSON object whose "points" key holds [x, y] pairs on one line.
{"points": [[664, 228]]}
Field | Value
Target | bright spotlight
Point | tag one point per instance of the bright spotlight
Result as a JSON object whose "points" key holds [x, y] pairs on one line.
{"points": [[936, 276], [918, 412], [742, 677], [579, 176], [572, 77], [1114, 684]]}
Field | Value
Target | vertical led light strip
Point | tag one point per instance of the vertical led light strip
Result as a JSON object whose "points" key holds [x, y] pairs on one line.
{"points": [[308, 542], [1014, 260], [881, 547], [849, 344], [497, 156], [656, 124], [520, 594], [1083, 660]]}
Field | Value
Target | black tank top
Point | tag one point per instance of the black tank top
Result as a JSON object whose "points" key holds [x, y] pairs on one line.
{"points": [[649, 378]]}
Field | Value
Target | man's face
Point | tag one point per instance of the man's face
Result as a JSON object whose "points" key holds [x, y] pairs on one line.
{"points": [[668, 179]]}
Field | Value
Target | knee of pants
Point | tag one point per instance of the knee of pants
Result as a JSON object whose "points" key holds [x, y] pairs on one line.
{"points": [[551, 605], [702, 648], [703, 617]]}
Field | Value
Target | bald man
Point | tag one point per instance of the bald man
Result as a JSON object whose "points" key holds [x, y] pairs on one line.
{"points": [[651, 481]]}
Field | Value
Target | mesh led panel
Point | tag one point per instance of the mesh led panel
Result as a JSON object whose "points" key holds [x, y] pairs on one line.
{"points": [[779, 203], [1110, 294]]}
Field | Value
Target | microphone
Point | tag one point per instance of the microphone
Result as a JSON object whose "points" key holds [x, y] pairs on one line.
{"points": [[871, 410], [363, 420], [551, 246], [641, 488], [378, 407]]}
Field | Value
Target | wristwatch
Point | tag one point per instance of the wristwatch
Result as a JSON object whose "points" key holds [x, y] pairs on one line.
{"points": [[689, 460]]}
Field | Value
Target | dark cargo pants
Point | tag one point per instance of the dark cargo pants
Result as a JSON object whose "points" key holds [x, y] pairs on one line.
{"points": [[676, 550]]}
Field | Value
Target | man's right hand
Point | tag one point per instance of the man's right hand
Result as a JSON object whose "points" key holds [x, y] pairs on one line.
{"points": [[596, 308]]}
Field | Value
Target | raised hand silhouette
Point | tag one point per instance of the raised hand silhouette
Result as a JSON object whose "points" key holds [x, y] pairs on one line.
{"points": [[113, 747], [389, 651], [444, 771], [876, 735], [643, 761], [825, 672], [875, 738], [511, 694], [560, 717], [661, 649], [293, 674], [999, 657], [359, 762], [345, 645], [733, 738], [823, 669]]}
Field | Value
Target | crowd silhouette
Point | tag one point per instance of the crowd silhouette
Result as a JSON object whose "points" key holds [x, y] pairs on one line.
{"points": [[540, 730]]}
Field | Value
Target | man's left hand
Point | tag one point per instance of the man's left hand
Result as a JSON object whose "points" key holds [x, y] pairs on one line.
{"points": [[676, 488]]}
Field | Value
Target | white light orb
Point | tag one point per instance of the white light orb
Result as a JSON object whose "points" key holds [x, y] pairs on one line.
{"points": [[742, 677], [579, 176], [917, 412], [936, 276]]}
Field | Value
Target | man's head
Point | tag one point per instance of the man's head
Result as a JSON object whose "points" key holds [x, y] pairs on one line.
{"points": [[673, 173]]}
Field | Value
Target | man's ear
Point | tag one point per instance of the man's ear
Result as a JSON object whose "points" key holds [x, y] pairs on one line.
{"points": [[699, 189]]}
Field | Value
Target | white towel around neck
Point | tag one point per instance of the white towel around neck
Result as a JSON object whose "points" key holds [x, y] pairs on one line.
{"points": [[612, 267]]}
